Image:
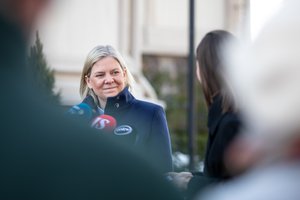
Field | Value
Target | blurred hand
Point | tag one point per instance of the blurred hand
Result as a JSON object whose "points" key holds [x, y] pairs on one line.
{"points": [[181, 179], [243, 154]]}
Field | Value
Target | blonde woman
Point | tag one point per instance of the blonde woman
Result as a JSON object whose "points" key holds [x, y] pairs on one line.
{"points": [[106, 85]]}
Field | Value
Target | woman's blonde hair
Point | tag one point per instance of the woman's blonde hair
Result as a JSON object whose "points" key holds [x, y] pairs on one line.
{"points": [[96, 54]]}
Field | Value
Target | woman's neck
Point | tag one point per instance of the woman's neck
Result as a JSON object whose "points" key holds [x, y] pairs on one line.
{"points": [[102, 103]]}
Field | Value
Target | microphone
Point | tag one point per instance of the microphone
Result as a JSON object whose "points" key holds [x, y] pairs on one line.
{"points": [[82, 110], [104, 122]]}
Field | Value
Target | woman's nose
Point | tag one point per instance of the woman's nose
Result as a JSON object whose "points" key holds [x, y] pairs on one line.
{"points": [[108, 79]]}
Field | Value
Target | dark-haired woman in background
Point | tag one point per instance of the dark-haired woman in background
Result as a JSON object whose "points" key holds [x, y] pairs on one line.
{"points": [[223, 122]]}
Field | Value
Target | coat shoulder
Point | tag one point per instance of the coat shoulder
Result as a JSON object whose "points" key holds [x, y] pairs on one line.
{"points": [[145, 105], [231, 119]]}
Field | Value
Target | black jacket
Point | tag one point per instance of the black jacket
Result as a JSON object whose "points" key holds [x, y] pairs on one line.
{"points": [[149, 130], [222, 128]]}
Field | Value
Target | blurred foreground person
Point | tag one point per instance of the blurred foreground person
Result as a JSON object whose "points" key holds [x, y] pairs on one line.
{"points": [[45, 156], [266, 86], [223, 121]]}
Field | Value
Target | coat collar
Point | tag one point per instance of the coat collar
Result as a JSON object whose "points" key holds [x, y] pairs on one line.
{"points": [[90, 101], [120, 101], [95, 109], [113, 104]]}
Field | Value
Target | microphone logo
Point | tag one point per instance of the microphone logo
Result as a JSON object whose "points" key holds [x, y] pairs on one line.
{"points": [[82, 111], [100, 123], [104, 122]]}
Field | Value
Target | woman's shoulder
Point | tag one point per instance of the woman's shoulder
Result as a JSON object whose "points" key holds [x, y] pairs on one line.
{"points": [[231, 118], [231, 124], [147, 105]]}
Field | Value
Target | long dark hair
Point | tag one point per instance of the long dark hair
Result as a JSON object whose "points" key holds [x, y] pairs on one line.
{"points": [[211, 62]]}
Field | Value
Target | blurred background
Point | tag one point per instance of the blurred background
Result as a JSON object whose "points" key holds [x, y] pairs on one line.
{"points": [[153, 36]]}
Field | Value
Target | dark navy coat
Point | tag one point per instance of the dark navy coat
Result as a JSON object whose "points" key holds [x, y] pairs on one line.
{"points": [[148, 123]]}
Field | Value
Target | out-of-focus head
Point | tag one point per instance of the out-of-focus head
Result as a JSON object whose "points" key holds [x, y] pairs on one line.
{"points": [[266, 77], [104, 74], [23, 13], [210, 66]]}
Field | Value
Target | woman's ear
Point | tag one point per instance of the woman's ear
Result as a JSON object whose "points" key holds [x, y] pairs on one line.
{"points": [[125, 75], [124, 72], [88, 81]]}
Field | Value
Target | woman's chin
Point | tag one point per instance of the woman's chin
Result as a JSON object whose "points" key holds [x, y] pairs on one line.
{"points": [[112, 94]]}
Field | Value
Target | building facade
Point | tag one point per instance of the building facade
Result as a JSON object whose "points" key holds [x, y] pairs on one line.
{"points": [[136, 28]]}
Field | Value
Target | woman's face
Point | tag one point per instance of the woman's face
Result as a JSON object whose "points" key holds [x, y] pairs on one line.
{"points": [[107, 78]]}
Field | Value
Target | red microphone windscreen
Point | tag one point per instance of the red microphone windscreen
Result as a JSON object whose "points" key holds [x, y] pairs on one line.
{"points": [[105, 123]]}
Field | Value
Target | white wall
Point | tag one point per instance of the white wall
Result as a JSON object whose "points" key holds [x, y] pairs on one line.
{"points": [[69, 31], [75, 27]]}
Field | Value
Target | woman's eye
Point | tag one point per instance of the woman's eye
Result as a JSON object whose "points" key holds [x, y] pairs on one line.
{"points": [[116, 72], [99, 75]]}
